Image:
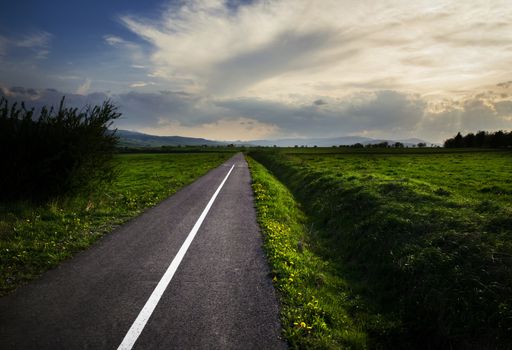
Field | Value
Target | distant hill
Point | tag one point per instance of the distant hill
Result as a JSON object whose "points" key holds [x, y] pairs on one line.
{"points": [[331, 141], [320, 142], [138, 139]]}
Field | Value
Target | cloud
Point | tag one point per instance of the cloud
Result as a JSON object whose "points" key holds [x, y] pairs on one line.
{"points": [[222, 129], [140, 84], [38, 43], [37, 98], [270, 48], [483, 111], [128, 48], [379, 114], [84, 88], [503, 108], [117, 41], [284, 68], [34, 40], [113, 40]]}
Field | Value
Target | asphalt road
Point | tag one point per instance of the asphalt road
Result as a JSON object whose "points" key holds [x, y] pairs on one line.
{"points": [[221, 296]]}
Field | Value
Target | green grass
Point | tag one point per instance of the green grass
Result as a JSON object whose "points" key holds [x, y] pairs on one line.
{"points": [[424, 237], [317, 306], [34, 238]]}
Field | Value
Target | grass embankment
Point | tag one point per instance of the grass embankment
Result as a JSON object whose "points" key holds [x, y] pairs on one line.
{"points": [[425, 238], [315, 301], [34, 238]]}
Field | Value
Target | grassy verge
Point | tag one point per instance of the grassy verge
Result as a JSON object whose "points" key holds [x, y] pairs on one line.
{"points": [[34, 238], [425, 239], [318, 309]]}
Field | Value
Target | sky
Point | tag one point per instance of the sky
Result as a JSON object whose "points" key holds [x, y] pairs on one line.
{"points": [[268, 69]]}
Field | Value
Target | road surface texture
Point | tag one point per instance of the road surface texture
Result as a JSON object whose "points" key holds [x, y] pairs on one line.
{"points": [[221, 296]]}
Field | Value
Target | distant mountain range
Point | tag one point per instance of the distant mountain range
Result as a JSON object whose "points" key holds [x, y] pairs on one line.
{"points": [[138, 139], [331, 141]]}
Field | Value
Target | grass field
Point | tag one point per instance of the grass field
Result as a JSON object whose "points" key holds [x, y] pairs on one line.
{"points": [[315, 301], [424, 238], [34, 238]]}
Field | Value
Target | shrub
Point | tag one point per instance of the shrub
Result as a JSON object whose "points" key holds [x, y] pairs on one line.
{"points": [[53, 153]]}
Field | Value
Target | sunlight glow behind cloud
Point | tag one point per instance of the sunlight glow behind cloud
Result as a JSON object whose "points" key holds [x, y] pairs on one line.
{"points": [[330, 47], [283, 68]]}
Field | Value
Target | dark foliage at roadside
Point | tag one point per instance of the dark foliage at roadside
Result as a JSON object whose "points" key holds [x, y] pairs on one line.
{"points": [[54, 152], [482, 139]]}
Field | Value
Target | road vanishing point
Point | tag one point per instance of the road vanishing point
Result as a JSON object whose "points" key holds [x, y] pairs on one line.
{"points": [[189, 273]]}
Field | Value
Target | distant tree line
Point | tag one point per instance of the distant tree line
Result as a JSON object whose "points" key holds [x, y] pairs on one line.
{"points": [[482, 139], [386, 144], [56, 151]]}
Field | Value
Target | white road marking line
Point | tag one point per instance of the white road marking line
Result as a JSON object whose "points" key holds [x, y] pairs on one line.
{"points": [[140, 322]]}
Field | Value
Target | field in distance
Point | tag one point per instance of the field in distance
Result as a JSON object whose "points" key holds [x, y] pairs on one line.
{"points": [[36, 237], [423, 237]]}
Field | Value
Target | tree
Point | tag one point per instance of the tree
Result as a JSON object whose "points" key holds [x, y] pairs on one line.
{"points": [[469, 140], [480, 139], [53, 153], [383, 144], [458, 140], [498, 139]]}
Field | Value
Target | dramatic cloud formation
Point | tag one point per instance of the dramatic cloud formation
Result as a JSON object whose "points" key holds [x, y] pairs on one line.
{"points": [[380, 114], [288, 68], [330, 47]]}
